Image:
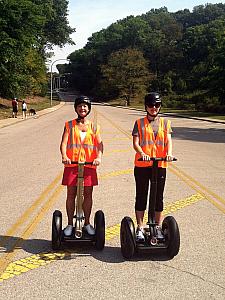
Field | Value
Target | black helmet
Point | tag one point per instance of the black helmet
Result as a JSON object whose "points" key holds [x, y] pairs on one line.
{"points": [[152, 98], [82, 99]]}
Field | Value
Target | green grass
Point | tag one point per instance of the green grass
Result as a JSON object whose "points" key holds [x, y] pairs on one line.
{"points": [[194, 113], [5, 112], [188, 113], [42, 105], [6, 109]]}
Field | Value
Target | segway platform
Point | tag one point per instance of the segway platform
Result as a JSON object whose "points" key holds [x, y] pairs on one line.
{"points": [[72, 238]]}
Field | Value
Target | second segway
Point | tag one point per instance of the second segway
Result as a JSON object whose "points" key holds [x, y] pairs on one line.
{"points": [[170, 236]]}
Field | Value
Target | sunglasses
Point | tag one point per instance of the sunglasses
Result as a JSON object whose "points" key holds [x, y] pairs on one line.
{"points": [[151, 105]]}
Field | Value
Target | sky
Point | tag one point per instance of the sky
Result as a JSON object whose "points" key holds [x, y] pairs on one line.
{"points": [[89, 16]]}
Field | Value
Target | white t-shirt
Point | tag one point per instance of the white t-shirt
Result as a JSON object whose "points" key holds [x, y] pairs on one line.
{"points": [[82, 135], [24, 106]]}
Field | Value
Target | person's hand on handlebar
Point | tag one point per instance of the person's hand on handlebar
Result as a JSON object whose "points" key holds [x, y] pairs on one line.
{"points": [[169, 158], [66, 160], [97, 161], [145, 156]]}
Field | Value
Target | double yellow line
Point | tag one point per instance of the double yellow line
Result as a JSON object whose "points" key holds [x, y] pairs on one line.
{"points": [[41, 259], [212, 197], [27, 223]]}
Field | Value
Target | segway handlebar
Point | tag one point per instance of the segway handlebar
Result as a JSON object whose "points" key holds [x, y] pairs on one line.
{"points": [[81, 162], [158, 159]]}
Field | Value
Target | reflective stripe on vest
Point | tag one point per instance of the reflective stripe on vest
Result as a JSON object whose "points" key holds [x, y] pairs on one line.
{"points": [[76, 148], [151, 145]]}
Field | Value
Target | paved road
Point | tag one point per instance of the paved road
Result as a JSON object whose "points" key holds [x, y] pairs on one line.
{"points": [[30, 191]]}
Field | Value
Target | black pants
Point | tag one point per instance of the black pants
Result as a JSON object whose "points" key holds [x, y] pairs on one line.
{"points": [[142, 178]]}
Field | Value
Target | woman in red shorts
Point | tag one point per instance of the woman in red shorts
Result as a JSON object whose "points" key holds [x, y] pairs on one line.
{"points": [[80, 137]]}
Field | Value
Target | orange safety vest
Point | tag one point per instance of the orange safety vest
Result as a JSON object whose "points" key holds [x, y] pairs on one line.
{"points": [[77, 150], [154, 147]]}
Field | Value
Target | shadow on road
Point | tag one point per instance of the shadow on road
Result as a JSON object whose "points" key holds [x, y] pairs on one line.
{"points": [[207, 135], [42, 248]]}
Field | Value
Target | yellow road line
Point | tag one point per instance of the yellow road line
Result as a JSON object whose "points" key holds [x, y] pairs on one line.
{"points": [[7, 258], [35, 261], [27, 214], [199, 188], [116, 126], [116, 173], [116, 151], [200, 185], [29, 263], [113, 231]]}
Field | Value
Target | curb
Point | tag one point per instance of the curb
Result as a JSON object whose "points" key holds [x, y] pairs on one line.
{"points": [[171, 114], [11, 121]]}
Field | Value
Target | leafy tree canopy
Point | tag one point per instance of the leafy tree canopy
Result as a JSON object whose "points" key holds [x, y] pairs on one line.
{"points": [[184, 50], [127, 71], [27, 29]]}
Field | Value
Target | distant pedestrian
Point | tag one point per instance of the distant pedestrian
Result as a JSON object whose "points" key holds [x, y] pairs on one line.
{"points": [[24, 109], [14, 107]]}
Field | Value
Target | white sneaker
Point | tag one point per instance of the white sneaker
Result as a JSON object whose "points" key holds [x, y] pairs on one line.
{"points": [[90, 229], [159, 233], [140, 234], [68, 230]]}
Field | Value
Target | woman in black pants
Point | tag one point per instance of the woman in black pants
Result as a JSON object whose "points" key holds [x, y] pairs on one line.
{"points": [[151, 138]]}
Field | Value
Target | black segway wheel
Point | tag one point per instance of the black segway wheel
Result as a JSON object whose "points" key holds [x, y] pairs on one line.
{"points": [[127, 238], [56, 230], [172, 236], [99, 230]]}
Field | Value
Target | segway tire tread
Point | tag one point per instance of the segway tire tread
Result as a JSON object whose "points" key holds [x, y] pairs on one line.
{"points": [[172, 236], [99, 230], [127, 238], [56, 230]]}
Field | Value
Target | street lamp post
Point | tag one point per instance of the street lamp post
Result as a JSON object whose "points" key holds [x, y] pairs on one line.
{"points": [[52, 77]]}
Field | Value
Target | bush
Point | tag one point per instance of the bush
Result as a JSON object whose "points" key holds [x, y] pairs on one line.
{"points": [[178, 102], [206, 103]]}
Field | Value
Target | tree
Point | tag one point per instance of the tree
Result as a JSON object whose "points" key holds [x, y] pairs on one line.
{"points": [[214, 81], [127, 71], [27, 29], [184, 51], [56, 30], [203, 52]]}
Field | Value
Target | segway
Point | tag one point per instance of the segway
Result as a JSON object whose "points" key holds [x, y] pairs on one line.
{"points": [[78, 232], [170, 237]]}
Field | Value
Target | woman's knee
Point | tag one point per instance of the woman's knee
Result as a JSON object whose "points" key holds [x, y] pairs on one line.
{"points": [[71, 193], [88, 192]]}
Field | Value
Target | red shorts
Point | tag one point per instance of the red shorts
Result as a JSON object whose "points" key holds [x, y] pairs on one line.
{"points": [[70, 176]]}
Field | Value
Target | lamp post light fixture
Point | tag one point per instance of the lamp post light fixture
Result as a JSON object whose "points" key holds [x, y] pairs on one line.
{"points": [[52, 77]]}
